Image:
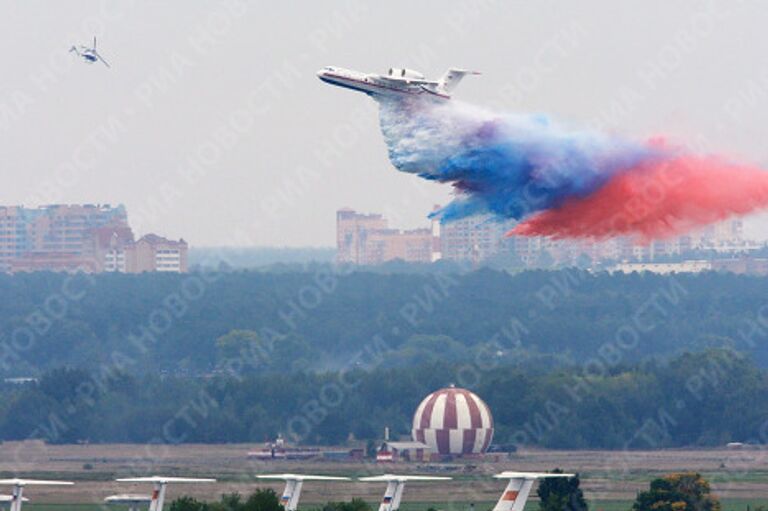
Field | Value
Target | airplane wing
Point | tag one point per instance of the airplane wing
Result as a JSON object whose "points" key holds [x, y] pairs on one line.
{"points": [[395, 477], [301, 477], [529, 475], [400, 79], [34, 482], [11, 498], [160, 479]]}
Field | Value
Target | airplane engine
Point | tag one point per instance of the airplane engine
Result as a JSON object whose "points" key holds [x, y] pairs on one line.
{"points": [[410, 73], [397, 72]]}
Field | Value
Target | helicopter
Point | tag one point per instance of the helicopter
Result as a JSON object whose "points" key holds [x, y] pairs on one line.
{"points": [[89, 55]]}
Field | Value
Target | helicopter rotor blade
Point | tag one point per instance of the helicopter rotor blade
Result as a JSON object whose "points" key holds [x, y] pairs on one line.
{"points": [[101, 58]]}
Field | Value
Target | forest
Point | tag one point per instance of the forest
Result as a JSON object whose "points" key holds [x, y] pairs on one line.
{"points": [[321, 319], [567, 359], [704, 399]]}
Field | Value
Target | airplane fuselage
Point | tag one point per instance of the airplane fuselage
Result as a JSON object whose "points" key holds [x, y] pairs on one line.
{"points": [[381, 85]]}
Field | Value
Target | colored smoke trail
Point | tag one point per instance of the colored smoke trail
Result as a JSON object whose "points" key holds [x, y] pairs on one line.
{"points": [[564, 183], [657, 200]]}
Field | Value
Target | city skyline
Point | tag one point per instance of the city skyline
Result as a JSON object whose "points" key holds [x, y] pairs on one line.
{"points": [[91, 238], [180, 128], [369, 239]]}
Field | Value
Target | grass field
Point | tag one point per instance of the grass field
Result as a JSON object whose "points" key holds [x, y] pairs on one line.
{"points": [[610, 479]]}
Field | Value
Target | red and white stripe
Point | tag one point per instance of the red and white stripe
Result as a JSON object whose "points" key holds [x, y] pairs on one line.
{"points": [[453, 421]]}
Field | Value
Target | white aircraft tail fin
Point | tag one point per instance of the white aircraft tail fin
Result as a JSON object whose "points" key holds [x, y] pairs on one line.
{"points": [[395, 486], [17, 497], [515, 495], [160, 484], [452, 77], [291, 494], [519, 488], [158, 497], [293, 484], [392, 496]]}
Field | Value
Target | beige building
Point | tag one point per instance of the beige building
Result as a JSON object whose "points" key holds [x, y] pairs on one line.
{"points": [[367, 240], [693, 266], [90, 238], [58, 237], [155, 253], [474, 238]]}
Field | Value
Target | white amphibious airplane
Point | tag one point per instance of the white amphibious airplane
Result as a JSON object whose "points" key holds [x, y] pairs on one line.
{"points": [[519, 487], [395, 486], [396, 83], [17, 498], [293, 484], [89, 55], [157, 499]]}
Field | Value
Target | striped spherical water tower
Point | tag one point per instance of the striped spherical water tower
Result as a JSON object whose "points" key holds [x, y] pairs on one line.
{"points": [[453, 421]]}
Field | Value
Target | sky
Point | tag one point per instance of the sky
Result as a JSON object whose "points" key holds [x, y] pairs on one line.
{"points": [[211, 124]]}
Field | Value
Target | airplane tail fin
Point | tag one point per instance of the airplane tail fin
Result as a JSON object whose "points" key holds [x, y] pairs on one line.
{"points": [[519, 488], [17, 498], [158, 495], [452, 77]]}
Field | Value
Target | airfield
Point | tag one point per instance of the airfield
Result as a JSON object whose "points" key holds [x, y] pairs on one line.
{"points": [[610, 479]]}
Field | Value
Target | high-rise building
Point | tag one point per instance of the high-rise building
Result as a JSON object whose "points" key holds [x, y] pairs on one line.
{"points": [[474, 238], [90, 238], [367, 239], [57, 237], [352, 229]]}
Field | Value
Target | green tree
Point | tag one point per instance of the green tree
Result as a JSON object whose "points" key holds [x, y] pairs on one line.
{"points": [[231, 502], [246, 351], [186, 503], [240, 344], [685, 491], [353, 505], [260, 500], [561, 494], [370, 448], [263, 499]]}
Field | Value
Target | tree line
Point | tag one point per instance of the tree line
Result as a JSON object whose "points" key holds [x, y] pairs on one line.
{"points": [[319, 320], [693, 399]]}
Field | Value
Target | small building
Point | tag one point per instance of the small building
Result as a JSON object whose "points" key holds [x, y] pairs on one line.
{"points": [[689, 266], [21, 380], [155, 253], [391, 451], [54, 261]]}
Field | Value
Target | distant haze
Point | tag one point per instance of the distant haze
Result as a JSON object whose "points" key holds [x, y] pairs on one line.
{"points": [[211, 124]]}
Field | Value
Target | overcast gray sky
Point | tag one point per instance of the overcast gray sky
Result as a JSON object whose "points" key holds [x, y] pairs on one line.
{"points": [[211, 124]]}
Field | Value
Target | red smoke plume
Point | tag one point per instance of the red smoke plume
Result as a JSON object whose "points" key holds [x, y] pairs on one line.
{"points": [[656, 200]]}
